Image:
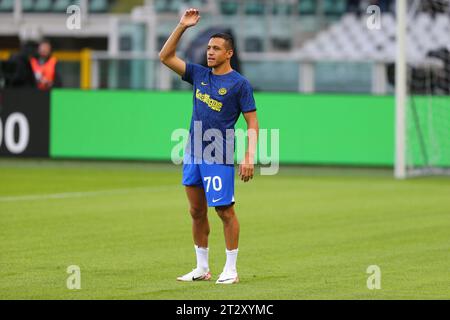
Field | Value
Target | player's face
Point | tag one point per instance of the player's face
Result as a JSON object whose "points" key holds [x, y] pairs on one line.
{"points": [[218, 52]]}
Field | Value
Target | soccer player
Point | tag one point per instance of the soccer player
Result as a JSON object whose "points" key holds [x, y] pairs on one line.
{"points": [[220, 95]]}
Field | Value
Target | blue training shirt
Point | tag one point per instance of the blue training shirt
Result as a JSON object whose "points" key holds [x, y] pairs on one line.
{"points": [[218, 102]]}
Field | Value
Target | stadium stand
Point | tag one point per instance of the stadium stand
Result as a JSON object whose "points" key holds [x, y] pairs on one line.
{"points": [[60, 5], [6, 5], [42, 6], [307, 7], [229, 7], [350, 39], [268, 32], [49, 6]]}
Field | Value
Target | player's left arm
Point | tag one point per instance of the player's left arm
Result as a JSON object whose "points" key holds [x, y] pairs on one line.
{"points": [[247, 166]]}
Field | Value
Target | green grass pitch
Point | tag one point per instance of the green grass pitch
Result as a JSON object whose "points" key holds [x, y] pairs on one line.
{"points": [[305, 233]]}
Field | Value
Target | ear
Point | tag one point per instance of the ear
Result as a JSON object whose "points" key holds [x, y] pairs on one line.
{"points": [[230, 53]]}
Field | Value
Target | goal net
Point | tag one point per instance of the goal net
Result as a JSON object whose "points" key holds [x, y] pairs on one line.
{"points": [[423, 88]]}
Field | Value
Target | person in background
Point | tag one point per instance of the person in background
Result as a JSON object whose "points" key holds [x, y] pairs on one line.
{"points": [[45, 67], [18, 73]]}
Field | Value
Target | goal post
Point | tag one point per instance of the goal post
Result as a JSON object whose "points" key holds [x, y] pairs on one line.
{"points": [[422, 89], [400, 91]]}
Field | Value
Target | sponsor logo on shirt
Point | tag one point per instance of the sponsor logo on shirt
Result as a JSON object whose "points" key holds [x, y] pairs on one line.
{"points": [[206, 98]]}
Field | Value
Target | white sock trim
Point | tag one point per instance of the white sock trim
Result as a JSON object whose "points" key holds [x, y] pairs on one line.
{"points": [[200, 248]]}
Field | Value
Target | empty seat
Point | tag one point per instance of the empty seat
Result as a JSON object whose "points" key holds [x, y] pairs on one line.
{"points": [[423, 21], [254, 7], [6, 5], [167, 5], [348, 20], [196, 3], [160, 5], [254, 44], [281, 8], [27, 5], [281, 43], [61, 5], [98, 6], [229, 7], [334, 7], [43, 5], [442, 20], [307, 7], [174, 5]]}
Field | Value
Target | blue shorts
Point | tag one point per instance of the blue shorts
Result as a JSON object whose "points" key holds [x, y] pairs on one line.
{"points": [[216, 179]]}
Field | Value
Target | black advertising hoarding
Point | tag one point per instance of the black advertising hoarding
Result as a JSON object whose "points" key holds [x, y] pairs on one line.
{"points": [[24, 123]]}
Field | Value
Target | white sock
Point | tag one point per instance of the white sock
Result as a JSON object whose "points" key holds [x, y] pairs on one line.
{"points": [[230, 265], [202, 257]]}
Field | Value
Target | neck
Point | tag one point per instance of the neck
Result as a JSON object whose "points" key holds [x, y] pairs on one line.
{"points": [[222, 69]]}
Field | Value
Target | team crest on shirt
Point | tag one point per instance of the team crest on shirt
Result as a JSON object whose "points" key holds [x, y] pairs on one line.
{"points": [[222, 91]]}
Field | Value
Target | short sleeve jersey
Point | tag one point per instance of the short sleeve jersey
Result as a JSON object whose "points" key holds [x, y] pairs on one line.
{"points": [[217, 104]]}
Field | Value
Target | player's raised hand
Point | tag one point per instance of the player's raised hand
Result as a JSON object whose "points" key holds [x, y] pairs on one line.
{"points": [[190, 18]]}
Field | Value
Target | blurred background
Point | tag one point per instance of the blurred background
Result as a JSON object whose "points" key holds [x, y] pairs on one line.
{"points": [[304, 47], [352, 93], [316, 45]]}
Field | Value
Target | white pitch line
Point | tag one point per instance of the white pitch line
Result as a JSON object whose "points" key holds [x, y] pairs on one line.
{"points": [[68, 195]]}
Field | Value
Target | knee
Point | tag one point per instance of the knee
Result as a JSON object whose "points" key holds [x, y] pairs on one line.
{"points": [[226, 213], [198, 213]]}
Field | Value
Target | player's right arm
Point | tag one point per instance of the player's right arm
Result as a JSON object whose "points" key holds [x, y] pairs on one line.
{"points": [[167, 54]]}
